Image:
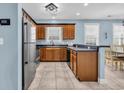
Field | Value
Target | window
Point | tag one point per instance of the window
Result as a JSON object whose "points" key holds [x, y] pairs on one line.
{"points": [[54, 33], [91, 33], [118, 34]]}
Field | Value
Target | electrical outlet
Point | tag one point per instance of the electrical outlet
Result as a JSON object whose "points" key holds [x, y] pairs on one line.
{"points": [[1, 41]]}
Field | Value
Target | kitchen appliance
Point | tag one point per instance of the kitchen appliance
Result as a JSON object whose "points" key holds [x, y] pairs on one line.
{"points": [[29, 53]]}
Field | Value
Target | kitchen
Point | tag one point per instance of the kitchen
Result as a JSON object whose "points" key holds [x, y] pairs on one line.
{"points": [[64, 50]]}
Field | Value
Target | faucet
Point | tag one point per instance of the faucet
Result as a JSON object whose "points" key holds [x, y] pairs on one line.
{"points": [[52, 42]]}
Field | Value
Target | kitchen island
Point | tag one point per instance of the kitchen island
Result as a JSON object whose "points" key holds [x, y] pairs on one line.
{"points": [[84, 63]]}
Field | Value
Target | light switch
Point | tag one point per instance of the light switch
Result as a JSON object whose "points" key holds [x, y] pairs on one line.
{"points": [[1, 41]]}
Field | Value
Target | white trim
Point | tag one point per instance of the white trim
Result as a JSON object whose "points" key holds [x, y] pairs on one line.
{"points": [[115, 24], [97, 24], [19, 46]]}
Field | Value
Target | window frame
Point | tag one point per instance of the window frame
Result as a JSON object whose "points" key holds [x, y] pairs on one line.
{"points": [[120, 24], [97, 24], [60, 34]]}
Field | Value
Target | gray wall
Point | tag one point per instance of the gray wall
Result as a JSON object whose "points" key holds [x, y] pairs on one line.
{"points": [[9, 50]]}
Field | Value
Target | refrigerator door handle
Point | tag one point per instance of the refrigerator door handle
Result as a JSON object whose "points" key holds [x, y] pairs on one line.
{"points": [[25, 23], [26, 62]]}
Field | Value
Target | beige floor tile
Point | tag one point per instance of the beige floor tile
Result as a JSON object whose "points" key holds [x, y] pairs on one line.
{"points": [[58, 76], [47, 83], [49, 74], [64, 83]]}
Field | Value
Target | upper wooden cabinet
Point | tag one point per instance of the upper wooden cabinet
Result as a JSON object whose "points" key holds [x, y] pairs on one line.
{"points": [[69, 32], [40, 32]]}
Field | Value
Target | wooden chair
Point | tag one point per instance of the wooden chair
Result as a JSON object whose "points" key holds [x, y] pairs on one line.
{"points": [[116, 58], [107, 56]]}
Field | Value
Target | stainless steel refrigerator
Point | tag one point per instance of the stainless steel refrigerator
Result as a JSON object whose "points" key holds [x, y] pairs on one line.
{"points": [[29, 53]]}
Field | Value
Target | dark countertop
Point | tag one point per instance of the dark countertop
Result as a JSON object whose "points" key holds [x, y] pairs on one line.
{"points": [[76, 47], [65, 46], [54, 46], [82, 49], [51, 46]]}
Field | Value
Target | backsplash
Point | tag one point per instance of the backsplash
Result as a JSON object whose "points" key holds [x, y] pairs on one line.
{"points": [[69, 42]]}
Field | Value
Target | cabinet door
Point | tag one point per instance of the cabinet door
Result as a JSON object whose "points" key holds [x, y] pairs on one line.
{"points": [[49, 54], [74, 64], [42, 54], [87, 66], [63, 54], [71, 31], [40, 32], [65, 32], [57, 52], [68, 32], [71, 60]]}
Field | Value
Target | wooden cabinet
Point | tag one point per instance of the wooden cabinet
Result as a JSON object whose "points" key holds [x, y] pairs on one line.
{"points": [[63, 54], [87, 66], [75, 64], [56, 53], [84, 65], [73, 61], [69, 32], [40, 32], [43, 53], [53, 54]]}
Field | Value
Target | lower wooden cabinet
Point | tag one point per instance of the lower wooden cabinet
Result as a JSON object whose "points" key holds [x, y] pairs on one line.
{"points": [[84, 65], [73, 61], [53, 54], [75, 64], [87, 66]]}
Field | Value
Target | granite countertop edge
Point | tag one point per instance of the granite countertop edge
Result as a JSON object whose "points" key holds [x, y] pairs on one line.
{"points": [[81, 49]]}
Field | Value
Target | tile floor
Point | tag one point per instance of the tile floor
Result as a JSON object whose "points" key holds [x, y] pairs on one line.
{"points": [[58, 76]]}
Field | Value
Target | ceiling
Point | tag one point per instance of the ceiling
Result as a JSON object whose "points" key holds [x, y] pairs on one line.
{"points": [[69, 10]]}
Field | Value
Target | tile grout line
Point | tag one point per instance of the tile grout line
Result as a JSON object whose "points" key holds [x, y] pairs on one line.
{"points": [[55, 77], [115, 82], [40, 79], [69, 75]]}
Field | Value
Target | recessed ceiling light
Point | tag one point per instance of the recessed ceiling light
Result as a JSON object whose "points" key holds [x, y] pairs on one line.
{"points": [[109, 16], [53, 17], [85, 4], [77, 14]]}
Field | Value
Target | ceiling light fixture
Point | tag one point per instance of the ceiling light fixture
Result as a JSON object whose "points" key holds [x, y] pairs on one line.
{"points": [[52, 8], [85, 4], [109, 16], [53, 17], [77, 14]]}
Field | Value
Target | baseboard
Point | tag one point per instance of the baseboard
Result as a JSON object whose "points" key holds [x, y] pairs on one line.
{"points": [[102, 81]]}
